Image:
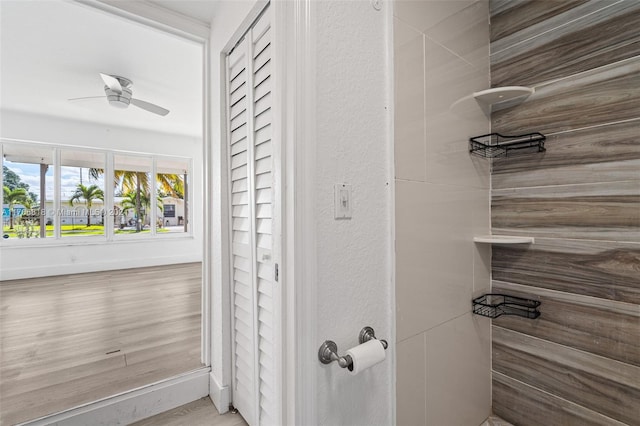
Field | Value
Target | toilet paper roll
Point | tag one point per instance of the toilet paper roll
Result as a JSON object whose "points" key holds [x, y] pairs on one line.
{"points": [[366, 355]]}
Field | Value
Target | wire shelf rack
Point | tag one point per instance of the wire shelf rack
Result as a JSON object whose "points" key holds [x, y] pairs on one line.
{"points": [[494, 145], [493, 305]]}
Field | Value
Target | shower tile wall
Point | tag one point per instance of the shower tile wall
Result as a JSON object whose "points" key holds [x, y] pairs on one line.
{"points": [[579, 363], [442, 202]]}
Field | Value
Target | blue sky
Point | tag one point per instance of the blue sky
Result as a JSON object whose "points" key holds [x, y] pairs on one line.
{"points": [[69, 177]]}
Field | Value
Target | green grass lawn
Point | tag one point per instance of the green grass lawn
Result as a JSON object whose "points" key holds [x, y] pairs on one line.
{"points": [[67, 230], [144, 231], [77, 230]]}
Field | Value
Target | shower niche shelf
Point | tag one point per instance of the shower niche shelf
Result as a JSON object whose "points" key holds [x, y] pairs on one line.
{"points": [[503, 94], [491, 100], [494, 145], [503, 239], [494, 305]]}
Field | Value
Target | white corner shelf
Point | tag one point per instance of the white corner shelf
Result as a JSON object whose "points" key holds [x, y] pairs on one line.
{"points": [[502, 94], [503, 239], [490, 100]]}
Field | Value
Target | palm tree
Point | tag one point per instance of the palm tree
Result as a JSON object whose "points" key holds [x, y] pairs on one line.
{"points": [[87, 193], [138, 183], [13, 197], [168, 183], [171, 185], [128, 181], [134, 200]]}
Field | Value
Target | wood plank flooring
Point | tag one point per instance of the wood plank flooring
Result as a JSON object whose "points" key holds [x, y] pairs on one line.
{"points": [[69, 340], [197, 413]]}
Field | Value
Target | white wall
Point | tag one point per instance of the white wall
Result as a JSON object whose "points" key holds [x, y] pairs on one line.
{"points": [[442, 202], [67, 257], [354, 272], [51, 129], [354, 280]]}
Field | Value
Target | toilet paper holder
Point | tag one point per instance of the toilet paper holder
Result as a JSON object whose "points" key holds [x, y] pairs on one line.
{"points": [[328, 351]]}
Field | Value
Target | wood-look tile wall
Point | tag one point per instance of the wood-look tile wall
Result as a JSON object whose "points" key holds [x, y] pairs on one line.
{"points": [[579, 363]]}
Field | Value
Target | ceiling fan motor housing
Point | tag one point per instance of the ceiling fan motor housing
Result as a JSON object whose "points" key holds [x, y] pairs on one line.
{"points": [[118, 91], [118, 100]]}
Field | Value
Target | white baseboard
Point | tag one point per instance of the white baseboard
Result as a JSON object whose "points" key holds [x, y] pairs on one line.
{"points": [[134, 405], [219, 394], [18, 273]]}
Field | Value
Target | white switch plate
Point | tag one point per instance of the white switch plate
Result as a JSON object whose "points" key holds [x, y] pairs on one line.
{"points": [[342, 204]]}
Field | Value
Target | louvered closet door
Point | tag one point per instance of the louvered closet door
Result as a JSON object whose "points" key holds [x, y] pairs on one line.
{"points": [[241, 233], [252, 203], [264, 196]]}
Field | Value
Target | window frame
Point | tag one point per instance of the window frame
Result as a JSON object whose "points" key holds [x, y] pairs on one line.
{"points": [[109, 236], [57, 190]]}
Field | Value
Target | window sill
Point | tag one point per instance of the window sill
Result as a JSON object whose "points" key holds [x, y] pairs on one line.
{"points": [[89, 241]]}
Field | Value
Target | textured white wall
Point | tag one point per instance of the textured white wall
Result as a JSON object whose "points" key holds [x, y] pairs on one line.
{"points": [[354, 278], [353, 256], [69, 257]]}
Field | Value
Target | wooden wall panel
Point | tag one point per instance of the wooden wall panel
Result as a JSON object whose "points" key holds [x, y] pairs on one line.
{"points": [[609, 153], [579, 362], [524, 405], [606, 270], [603, 385], [578, 102], [600, 327], [610, 171], [600, 211], [569, 48], [522, 15], [559, 22]]}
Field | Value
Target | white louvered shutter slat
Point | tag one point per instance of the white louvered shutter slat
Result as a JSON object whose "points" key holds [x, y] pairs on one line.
{"points": [[251, 165], [238, 140], [264, 196], [244, 345]]}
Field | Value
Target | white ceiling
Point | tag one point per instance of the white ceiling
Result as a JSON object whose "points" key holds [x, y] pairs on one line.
{"points": [[201, 10], [54, 50]]}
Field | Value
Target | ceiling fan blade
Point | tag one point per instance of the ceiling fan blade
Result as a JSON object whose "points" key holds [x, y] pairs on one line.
{"points": [[86, 97], [112, 83], [150, 107]]}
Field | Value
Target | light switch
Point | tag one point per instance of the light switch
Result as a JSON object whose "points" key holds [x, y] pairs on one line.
{"points": [[342, 205]]}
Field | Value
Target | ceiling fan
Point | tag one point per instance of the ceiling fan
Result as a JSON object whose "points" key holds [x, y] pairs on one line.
{"points": [[118, 91]]}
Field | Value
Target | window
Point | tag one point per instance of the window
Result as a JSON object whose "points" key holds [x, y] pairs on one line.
{"points": [[27, 191], [173, 188], [169, 211], [132, 200], [83, 192], [82, 210]]}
